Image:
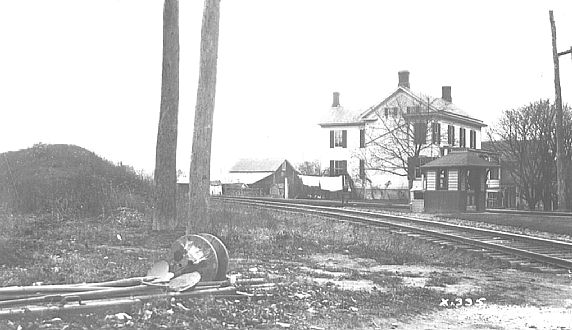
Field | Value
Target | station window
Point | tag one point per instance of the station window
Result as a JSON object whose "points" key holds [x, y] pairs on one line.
{"points": [[494, 173], [441, 179]]}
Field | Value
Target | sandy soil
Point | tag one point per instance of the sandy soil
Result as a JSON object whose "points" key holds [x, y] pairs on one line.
{"points": [[525, 300]]}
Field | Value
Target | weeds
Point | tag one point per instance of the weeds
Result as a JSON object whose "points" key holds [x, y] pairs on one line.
{"points": [[441, 279]]}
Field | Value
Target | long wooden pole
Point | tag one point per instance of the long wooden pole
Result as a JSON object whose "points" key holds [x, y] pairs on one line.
{"points": [[560, 166], [164, 213], [199, 177]]}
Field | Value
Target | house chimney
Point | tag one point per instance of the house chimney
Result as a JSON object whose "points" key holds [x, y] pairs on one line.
{"points": [[336, 102], [446, 93], [403, 79]]}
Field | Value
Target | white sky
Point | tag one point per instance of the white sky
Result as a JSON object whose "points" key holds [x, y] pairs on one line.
{"points": [[88, 72]]}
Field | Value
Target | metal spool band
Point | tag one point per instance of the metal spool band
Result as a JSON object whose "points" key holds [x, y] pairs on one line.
{"points": [[222, 254]]}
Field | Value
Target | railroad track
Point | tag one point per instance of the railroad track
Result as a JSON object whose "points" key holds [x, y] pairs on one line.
{"points": [[519, 251]]}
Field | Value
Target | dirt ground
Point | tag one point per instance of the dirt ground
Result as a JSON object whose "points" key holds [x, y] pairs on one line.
{"points": [[519, 300], [325, 275]]}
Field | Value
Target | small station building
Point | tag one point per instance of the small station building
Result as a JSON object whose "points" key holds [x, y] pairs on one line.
{"points": [[455, 182]]}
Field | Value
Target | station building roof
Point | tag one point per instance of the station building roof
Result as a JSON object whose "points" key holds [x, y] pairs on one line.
{"points": [[460, 159]]}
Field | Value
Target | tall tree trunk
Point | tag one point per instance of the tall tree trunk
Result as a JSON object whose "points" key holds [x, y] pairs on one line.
{"points": [[202, 136], [165, 212]]}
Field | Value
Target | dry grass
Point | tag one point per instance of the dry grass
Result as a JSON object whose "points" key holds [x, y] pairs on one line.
{"points": [[44, 249]]}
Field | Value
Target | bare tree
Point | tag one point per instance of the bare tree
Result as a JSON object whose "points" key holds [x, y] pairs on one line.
{"points": [[526, 137], [199, 176], [164, 214], [309, 168], [399, 136]]}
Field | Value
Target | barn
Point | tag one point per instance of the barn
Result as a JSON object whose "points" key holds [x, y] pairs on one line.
{"points": [[264, 177]]}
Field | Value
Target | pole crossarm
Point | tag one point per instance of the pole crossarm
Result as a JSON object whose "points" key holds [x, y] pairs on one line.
{"points": [[565, 52]]}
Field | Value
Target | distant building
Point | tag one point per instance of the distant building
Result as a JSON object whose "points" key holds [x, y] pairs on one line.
{"points": [[183, 186], [216, 188], [263, 177], [421, 127], [507, 194]]}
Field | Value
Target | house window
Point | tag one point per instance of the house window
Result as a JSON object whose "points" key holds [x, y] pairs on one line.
{"points": [[473, 141], [420, 133], [462, 137], [436, 133], [338, 138], [494, 173], [441, 179], [414, 109], [394, 111], [338, 167], [362, 138], [418, 172], [362, 169], [386, 112], [451, 135]]}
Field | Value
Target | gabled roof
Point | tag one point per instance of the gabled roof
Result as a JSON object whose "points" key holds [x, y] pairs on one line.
{"points": [[257, 165], [434, 105], [245, 177], [460, 159]]}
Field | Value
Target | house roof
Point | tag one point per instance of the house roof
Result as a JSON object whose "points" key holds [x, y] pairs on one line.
{"points": [[340, 116], [257, 165], [460, 159], [245, 177], [435, 105]]}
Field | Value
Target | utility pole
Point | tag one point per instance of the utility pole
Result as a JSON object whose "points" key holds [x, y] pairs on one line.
{"points": [[560, 165], [199, 177], [165, 176]]}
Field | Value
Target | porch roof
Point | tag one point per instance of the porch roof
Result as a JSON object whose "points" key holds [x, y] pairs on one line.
{"points": [[460, 159]]}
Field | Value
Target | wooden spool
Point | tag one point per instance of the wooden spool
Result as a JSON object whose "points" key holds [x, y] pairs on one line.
{"points": [[203, 253]]}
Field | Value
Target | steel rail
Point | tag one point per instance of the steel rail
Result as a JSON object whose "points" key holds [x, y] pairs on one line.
{"points": [[523, 212], [411, 225]]}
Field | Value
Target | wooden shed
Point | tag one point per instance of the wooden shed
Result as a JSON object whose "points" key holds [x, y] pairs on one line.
{"points": [[271, 177], [456, 182]]}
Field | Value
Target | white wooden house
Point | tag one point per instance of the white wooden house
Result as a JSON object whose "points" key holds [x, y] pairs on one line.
{"points": [[383, 147]]}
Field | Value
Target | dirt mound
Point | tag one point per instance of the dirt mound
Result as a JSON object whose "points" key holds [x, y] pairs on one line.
{"points": [[65, 179]]}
